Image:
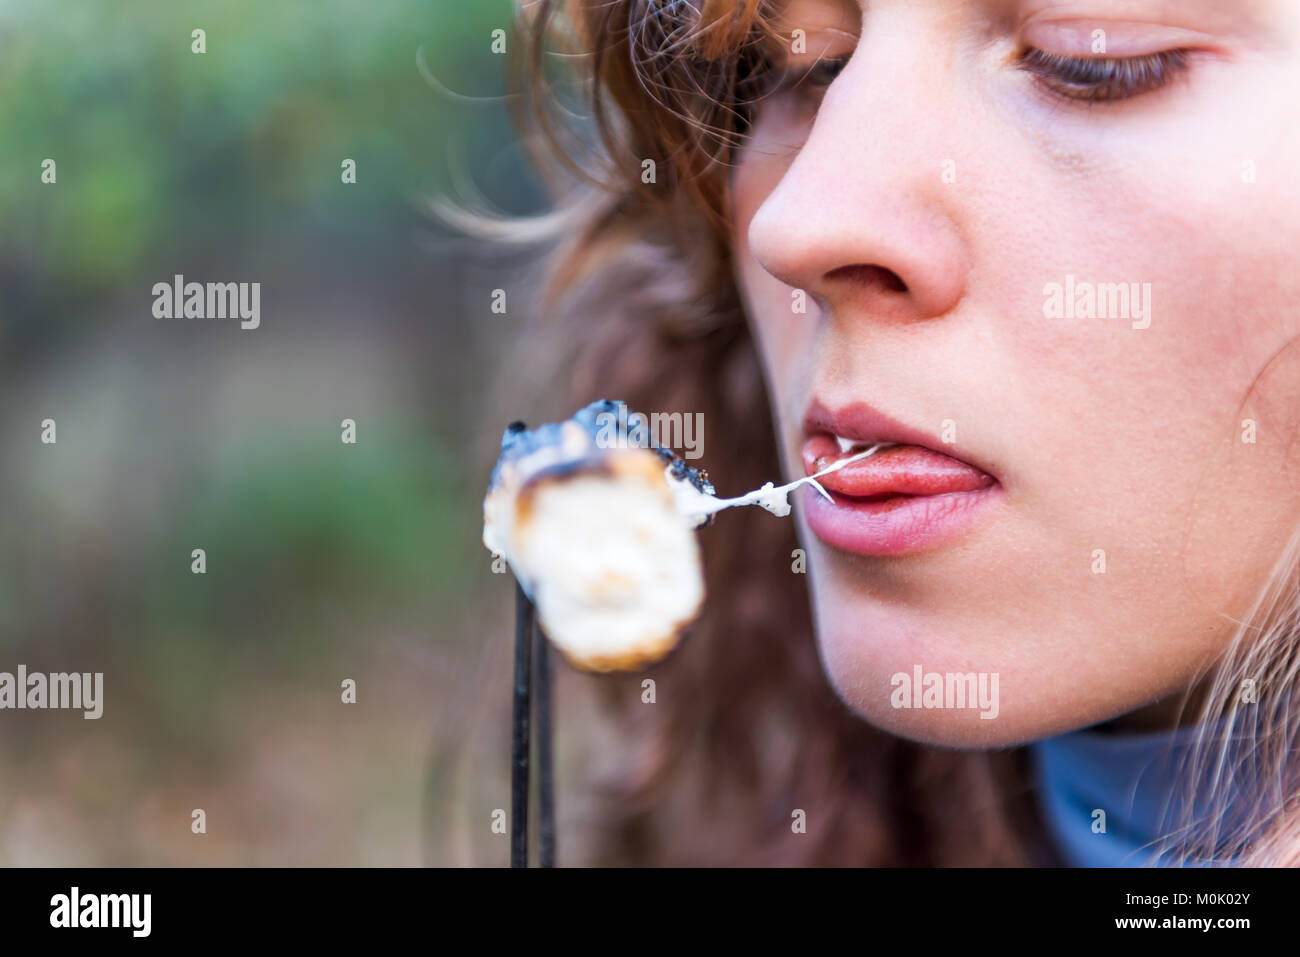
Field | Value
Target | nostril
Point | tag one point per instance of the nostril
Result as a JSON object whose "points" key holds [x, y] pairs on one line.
{"points": [[868, 275]]}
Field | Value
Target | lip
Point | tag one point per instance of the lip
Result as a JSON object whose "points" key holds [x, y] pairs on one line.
{"points": [[900, 499]]}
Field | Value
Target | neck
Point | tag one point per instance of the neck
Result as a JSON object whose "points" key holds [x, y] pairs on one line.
{"points": [[1177, 710]]}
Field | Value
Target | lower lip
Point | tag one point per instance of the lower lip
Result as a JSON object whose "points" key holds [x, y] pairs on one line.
{"points": [[896, 525]]}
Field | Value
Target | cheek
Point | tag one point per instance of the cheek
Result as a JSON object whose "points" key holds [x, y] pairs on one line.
{"points": [[1174, 443], [781, 334], [779, 321]]}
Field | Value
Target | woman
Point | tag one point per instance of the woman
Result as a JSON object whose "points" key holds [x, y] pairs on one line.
{"points": [[1047, 249]]}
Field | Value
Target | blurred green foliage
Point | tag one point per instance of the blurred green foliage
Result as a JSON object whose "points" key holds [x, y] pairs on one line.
{"points": [[324, 559], [155, 143]]}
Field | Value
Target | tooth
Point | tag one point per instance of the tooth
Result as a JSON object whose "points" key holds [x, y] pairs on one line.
{"points": [[846, 445]]}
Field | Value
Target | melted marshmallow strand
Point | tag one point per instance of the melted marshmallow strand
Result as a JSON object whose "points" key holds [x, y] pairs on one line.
{"points": [[696, 506]]}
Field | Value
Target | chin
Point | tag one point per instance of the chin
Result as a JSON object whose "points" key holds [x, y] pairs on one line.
{"points": [[945, 685]]}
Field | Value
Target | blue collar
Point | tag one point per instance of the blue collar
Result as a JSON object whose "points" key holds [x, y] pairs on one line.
{"points": [[1131, 779]]}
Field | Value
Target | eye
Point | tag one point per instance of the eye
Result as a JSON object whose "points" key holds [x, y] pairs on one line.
{"points": [[821, 74], [1104, 79], [773, 77]]}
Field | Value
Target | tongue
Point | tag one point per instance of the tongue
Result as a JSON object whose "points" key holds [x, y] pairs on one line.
{"points": [[899, 470]]}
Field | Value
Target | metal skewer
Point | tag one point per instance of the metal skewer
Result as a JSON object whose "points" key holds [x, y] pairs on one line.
{"points": [[524, 625], [545, 797], [530, 650]]}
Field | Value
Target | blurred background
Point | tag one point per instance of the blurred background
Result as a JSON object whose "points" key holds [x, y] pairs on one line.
{"points": [[325, 561]]}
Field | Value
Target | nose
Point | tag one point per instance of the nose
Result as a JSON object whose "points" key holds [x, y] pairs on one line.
{"points": [[864, 218]]}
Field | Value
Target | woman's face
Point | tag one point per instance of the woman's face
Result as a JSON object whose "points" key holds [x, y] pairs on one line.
{"points": [[1065, 283]]}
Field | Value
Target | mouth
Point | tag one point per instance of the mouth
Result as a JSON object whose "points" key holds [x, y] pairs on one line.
{"points": [[912, 493]]}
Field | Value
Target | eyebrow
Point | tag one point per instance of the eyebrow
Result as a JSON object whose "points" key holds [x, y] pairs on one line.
{"points": [[1235, 18]]}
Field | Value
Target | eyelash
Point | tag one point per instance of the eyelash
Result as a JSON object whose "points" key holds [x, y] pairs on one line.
{"points": [[810, 80], [816, 75], [1104, 79], [1093, 80]]}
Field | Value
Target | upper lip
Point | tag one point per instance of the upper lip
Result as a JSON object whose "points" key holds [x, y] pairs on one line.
{"points": [[863, 423]]}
